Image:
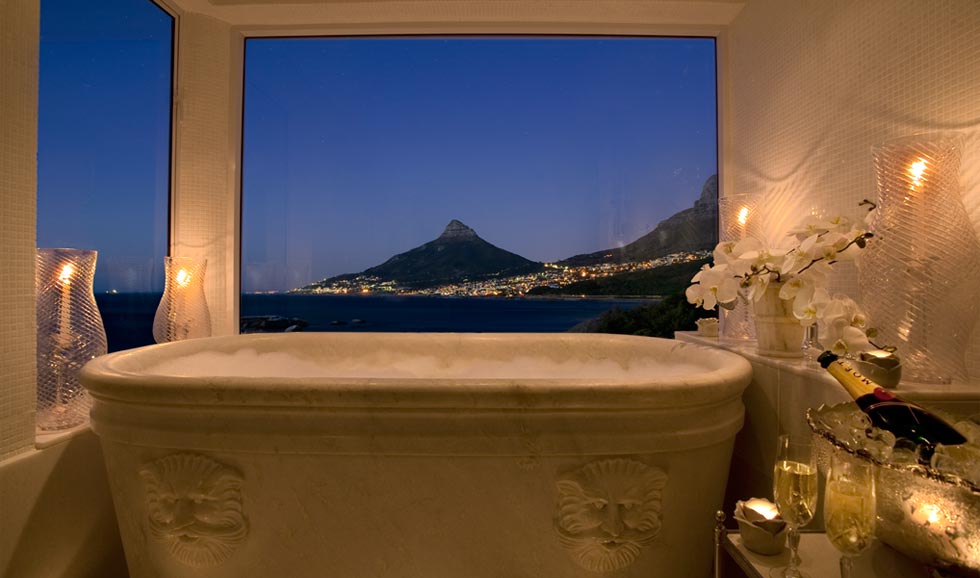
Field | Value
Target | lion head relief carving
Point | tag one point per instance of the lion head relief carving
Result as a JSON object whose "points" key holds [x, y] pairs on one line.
{"points": [[194, 507], [608, 511]]}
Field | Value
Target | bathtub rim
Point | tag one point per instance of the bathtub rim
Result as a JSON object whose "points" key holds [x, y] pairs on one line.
{"points": [[116, 378]]}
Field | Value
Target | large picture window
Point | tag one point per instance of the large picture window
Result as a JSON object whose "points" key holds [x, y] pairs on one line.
{"points": [[473, 183], [104, 137]]}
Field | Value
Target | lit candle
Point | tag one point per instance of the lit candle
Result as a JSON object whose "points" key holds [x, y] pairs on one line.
{"points": [[743, 220], [917, 170], [183, 280], [764, 508], [64, 305], [762, 529]]}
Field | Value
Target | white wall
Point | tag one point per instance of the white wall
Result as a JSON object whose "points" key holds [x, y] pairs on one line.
{"points": [[814, 85], [56, 516]]}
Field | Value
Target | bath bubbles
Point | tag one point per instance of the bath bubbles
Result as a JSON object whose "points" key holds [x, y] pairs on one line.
{"points": [[387, 364]]}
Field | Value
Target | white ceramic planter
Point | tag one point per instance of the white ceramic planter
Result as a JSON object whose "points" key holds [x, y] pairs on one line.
{"points": [[418, 455], [778, 332]]}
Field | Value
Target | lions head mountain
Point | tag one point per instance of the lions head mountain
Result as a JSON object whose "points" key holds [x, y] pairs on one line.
{"points": [[457, 254]]}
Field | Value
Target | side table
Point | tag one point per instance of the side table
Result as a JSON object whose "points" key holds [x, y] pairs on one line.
{"points": [[820, 560]]}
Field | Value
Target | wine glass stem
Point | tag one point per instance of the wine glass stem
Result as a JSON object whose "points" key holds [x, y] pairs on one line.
{"points": [[794, 555], [846, 563]]}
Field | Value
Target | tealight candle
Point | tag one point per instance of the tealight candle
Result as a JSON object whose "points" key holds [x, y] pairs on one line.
{"points": [[764, 508], [707, 326], [763, 530], [880, 366]]}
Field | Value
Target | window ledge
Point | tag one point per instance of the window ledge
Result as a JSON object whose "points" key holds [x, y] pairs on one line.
{"points": [[968, 391], [47, 439]]}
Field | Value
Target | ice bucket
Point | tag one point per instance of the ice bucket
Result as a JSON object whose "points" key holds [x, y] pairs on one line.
{"points": [[927, 515]]}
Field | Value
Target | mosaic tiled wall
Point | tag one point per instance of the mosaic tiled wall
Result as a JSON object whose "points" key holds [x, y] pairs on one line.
{"points": [[814, 84], [18, 185], [205, 213]]}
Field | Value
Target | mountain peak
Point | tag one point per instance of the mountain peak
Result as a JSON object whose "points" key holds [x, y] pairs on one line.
{"points": [[457, 231]]}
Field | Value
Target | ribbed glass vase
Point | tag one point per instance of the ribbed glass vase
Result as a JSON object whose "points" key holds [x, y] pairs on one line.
{"points": [[920, 273], [737, 219], [183, 311], [69, 334]]}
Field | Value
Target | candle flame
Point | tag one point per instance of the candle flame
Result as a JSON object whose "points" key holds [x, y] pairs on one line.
{"points": [[183, 278], [764, 508], [916, 171], [743, 216], [66, 273]]}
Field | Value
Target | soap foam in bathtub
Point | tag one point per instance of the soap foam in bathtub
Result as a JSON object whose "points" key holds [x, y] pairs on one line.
{"points": [[393, 365]]}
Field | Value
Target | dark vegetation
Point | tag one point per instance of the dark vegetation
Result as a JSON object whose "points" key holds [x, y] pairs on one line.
{"points": [[661, 319]]}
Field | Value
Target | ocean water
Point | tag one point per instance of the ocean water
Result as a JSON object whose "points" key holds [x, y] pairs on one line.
{"points": [[128, 317], [405, 313]]}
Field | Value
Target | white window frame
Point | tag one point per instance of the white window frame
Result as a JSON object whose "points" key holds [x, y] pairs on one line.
{"points": [[215, 187]]}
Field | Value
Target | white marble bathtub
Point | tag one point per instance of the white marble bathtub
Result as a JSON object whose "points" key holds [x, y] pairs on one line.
{"points": [[418, 455]]}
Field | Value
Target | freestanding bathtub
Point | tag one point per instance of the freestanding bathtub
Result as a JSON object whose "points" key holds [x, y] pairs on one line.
{"points": [[418, 455]]}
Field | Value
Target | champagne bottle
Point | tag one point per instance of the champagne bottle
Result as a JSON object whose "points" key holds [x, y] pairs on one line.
{"points": [[902, 418]]}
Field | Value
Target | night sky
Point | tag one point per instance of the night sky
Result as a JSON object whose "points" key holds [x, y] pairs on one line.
{"points": [[356, 149], [104, 136]]}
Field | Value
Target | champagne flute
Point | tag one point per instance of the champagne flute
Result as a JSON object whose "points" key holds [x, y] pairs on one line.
{"points": [[849, 507], [795, 489]]}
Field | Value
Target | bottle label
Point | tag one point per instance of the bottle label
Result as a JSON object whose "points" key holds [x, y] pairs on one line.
{"points": [[860, 377], [853, 381]]}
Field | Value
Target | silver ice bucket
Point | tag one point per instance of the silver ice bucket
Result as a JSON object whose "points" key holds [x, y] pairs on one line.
{"points": [[925, 514]]}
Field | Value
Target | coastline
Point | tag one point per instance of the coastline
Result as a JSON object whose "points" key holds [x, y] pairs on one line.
{"points": [[643, 298]]}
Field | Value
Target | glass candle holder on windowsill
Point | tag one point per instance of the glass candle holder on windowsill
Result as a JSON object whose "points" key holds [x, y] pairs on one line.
{"points": [[69, 334], [183, 311], [737, 219]]}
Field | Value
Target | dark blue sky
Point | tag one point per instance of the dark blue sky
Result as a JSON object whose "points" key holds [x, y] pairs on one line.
{"points": [[358, 149], [104, 136]]}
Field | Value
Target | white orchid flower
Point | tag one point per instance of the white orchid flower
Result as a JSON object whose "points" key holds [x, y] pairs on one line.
{"points": [[809, 304], [751, 267], [815, 251], [841, 326], [808, 228], [839, 224], [756, 287], [724, 253], [713, 285], [852, 340], [847, 247], [757, 259]]}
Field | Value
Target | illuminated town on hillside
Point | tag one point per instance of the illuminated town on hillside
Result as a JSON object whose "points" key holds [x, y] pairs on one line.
{"points": [[553, 276]]}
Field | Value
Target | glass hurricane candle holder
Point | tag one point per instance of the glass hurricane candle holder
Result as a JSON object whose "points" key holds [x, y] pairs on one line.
{"points": [[923, 266], [69, 334], [183, 311], [738, 219]]}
